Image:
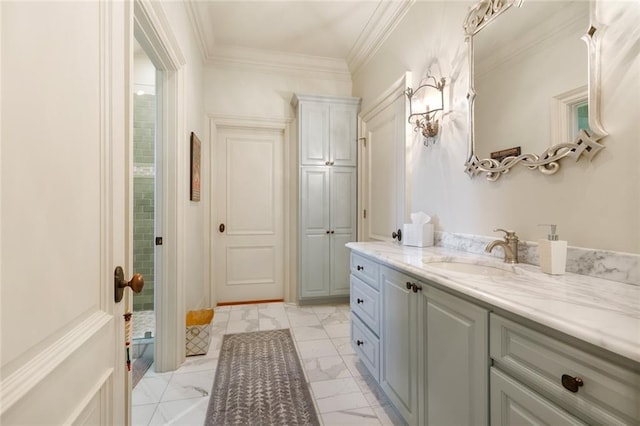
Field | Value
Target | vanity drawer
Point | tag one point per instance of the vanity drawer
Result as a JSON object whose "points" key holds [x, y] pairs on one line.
{"points": [[365, 269], [610, 393], [514, 403], [365, 302], [367, 346]]}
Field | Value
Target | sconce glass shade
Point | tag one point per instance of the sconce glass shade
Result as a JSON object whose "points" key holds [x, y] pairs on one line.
{"points": [[424, 119]]}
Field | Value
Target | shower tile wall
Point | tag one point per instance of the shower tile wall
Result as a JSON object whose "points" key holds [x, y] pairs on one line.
{"points": [[143, 197]]}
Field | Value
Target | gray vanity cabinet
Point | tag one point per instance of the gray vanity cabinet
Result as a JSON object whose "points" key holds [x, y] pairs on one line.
{"points": [[434, 353], [455, 358], [399, 343], [550, 373], [515, 404], [444, 360]]}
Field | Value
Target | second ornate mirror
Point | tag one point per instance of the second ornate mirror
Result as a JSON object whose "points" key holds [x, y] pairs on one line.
{"points": [[533, 86]]}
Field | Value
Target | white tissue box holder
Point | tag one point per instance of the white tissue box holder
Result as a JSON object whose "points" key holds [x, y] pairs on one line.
{"points": [[417, 235]]}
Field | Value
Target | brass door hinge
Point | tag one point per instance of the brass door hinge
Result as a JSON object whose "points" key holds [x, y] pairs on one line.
{"points": [[364, 213]]}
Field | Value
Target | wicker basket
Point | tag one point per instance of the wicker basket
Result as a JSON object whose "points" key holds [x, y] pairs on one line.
{"points": [[198, 333]]}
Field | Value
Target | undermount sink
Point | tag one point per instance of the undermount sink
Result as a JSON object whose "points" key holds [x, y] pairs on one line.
{"points": [[473, 268]]}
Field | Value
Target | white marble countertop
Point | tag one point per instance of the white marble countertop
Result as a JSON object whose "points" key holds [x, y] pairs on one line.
{"points": [[601, 312]]}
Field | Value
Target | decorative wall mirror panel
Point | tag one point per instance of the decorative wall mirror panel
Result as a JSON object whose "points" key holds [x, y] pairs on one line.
{"points": [[533, 87]]}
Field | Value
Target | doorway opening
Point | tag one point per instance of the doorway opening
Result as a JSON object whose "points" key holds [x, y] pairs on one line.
{"points": [[145, 208]]}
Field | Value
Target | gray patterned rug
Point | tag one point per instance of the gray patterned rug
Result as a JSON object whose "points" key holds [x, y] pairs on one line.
{"points": [[259, 381]]}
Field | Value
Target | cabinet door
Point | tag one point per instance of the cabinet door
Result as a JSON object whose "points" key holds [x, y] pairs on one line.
{"points": [[455, 347], [343, 135], [512, 403], [399, 343], [314, 134], [343, 225], [315, 234]]}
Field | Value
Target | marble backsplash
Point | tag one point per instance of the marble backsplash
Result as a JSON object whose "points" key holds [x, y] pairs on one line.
{"points": [[609, 265]]}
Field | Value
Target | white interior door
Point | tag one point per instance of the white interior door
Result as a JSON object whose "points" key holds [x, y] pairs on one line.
{"points": [[248, 250], [63, 211], [384, 175]]}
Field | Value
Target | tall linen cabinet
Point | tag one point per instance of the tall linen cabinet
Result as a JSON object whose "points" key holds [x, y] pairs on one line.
{"points": [[327, 166]]}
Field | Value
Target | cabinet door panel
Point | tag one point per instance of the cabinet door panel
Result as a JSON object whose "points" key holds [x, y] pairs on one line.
{"points": [[314, 201], [343, 144], [456, 348], [399, 364], [514, 404], [314, 237], [314, 270], [340, 264], [343, 200], [314, 134]]}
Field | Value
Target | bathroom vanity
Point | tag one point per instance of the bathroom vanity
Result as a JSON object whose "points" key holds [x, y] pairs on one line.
{"points": [[457, 338]]}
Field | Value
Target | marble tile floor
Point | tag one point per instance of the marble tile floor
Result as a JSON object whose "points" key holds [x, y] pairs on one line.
{"points": [[343, 391]]}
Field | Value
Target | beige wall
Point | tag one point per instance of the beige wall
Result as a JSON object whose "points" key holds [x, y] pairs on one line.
{"points": [[244, 92], [196, 289], [596, 205]]}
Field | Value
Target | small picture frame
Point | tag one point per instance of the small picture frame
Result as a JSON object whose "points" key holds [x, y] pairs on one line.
{"points": [[195, 168]]}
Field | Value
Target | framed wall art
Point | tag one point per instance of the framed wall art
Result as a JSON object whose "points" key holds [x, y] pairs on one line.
{"points": [[195, 168]]}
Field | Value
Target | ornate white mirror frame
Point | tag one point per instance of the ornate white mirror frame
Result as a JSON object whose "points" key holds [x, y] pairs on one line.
{"points": [[586, 144]]}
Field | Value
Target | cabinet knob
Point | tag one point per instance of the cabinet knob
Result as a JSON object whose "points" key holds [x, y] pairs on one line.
{"points": [[359, 301], [360, 268], [409, 285], [326, 163], [359, 342], [397, 234], [571, 383], [331, 163], [327, 231], [416, 288], [333, 231]]}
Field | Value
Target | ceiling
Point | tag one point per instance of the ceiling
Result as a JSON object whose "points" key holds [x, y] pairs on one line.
{"points": [[338, 33]]}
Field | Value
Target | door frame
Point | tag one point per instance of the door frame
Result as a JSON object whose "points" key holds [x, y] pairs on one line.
{"points": [[152, 30], [403, 153], [217, 122]]}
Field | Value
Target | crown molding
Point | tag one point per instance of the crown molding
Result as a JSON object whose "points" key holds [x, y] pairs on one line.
{"points": [[384, 20], [203, 33], [274, 61]]}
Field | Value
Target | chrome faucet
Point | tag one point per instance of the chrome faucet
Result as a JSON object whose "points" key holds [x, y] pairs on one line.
{"points": [[510, 246]]}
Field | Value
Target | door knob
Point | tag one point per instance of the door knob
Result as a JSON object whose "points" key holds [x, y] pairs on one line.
{"points": [[221, 228], [119, 283], [397, 234]]}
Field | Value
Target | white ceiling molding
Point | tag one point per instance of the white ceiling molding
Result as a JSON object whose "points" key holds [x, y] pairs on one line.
{"points": [[383, 21], [265, 60], [203, 33], [387, 16]]}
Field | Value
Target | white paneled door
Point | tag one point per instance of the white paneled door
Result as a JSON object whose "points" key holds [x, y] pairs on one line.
{"points": [[249, 226], [384, 176], [63, 211]]}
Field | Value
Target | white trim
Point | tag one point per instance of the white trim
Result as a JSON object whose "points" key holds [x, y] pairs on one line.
{"points": [[202, 32], [385, 19], [388, 96], [260, 123], [561, 113], [22, 381], [154, 34]]}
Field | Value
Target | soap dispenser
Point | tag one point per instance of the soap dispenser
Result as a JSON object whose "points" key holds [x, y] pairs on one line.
{"points": [[553, 253]]}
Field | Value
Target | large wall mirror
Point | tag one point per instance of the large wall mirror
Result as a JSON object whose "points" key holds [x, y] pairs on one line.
{"points": [[533, 85]]}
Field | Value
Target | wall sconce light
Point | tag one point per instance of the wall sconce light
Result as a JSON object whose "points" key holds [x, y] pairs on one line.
{"points": [[424, 118]]}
